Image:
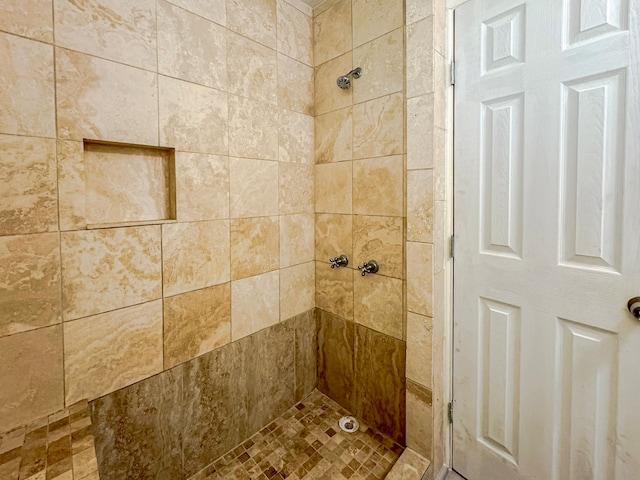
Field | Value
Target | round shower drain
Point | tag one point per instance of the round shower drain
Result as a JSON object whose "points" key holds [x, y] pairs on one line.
{"points": [[349, 424]]}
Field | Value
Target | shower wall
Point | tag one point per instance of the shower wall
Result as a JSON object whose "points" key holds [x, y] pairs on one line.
{"points": [[212, 238], [427, 248], [360, 208]]}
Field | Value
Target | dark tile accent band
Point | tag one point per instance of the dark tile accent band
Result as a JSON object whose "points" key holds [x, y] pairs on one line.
{"points": [[364, 371], [174, 424]]}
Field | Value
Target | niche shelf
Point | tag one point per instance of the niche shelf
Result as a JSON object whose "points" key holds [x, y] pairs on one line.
{"points": [[128, 184]]}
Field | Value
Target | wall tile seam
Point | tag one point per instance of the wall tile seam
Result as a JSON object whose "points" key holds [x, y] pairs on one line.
{"points": [[301, 7], [355, 270], [159, 74], [144, 302], [419, 95], [41, 137], [354, 104], [179, 7], [419, 384], [430, 16], [321, 212], [388, 32], [52, 43], [360, 159], [324, 6], [355, 47], [361, 325], [42, 327], [422, 314], [278, 52]]}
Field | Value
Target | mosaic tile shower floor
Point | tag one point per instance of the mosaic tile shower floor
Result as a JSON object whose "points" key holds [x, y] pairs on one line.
{"points": [[307, 443], [57, 447]]}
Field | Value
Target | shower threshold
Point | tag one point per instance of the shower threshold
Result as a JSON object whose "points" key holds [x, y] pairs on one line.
{"points": [[306, 443]]}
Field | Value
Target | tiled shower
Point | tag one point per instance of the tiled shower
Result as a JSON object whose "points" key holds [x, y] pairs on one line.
{"points": [[175, 176]]}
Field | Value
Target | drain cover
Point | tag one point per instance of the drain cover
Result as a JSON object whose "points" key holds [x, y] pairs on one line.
{"points": [[349, 424]]}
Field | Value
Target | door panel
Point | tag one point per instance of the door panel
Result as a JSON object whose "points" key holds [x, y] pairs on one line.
{"points": [[547, 224]]}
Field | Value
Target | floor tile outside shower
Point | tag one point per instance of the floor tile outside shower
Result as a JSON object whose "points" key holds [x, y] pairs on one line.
{"points": [[306, 443]]}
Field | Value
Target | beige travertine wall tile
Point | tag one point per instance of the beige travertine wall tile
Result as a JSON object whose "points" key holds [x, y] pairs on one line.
{"points": [[202, 187], [334, 187], [420, 278], [382, 63], [196, 323], [440, 160], [256, 20], [297, 290], [192, 117], [439, 360], [419, 334], [296, 239], [419, 419], [252, 69], [107, 269], [28, 178], [296, 137], [420, 132], [378, 301], [333, 237], [295, 85], [420, 206], [118, 30], [301, 5], [255, 246], [418, 9], [126, 184], [332, 32], [334, 290], [214, 10], [71, 185], [440, 28], [328, 97], [378, 186], [26, 87], [28, 18], [378, 127], [334, 135], [440, 74], [381, 239], [30, 280], [253, 129], [109, 351], [296, 188], [195, 255], [191, 47], [31, 373], [373, 18], [103, 100], [420, 58], [255, 304], [254, 187], [324, 6], [295, 33]]}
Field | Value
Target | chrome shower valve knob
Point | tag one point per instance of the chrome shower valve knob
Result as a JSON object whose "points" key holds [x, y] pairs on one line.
{"points": [[370, 267], [341, 261]]}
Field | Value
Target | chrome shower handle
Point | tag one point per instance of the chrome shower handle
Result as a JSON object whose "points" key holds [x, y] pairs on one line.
{"points": [[370, 267], [341, 261]]}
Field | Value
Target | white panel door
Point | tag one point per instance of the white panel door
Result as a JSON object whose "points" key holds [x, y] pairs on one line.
{"points": [[547, 226]]}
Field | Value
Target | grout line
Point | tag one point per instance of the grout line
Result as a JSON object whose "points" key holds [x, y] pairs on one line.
{"points": [[55, 102], [158, 86]]}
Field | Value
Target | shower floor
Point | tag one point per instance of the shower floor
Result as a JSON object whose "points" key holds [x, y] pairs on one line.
{"points": [[307, 443]]}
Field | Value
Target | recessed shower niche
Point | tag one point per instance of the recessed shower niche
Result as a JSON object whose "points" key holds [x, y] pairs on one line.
{"points": [[128, 184]]}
